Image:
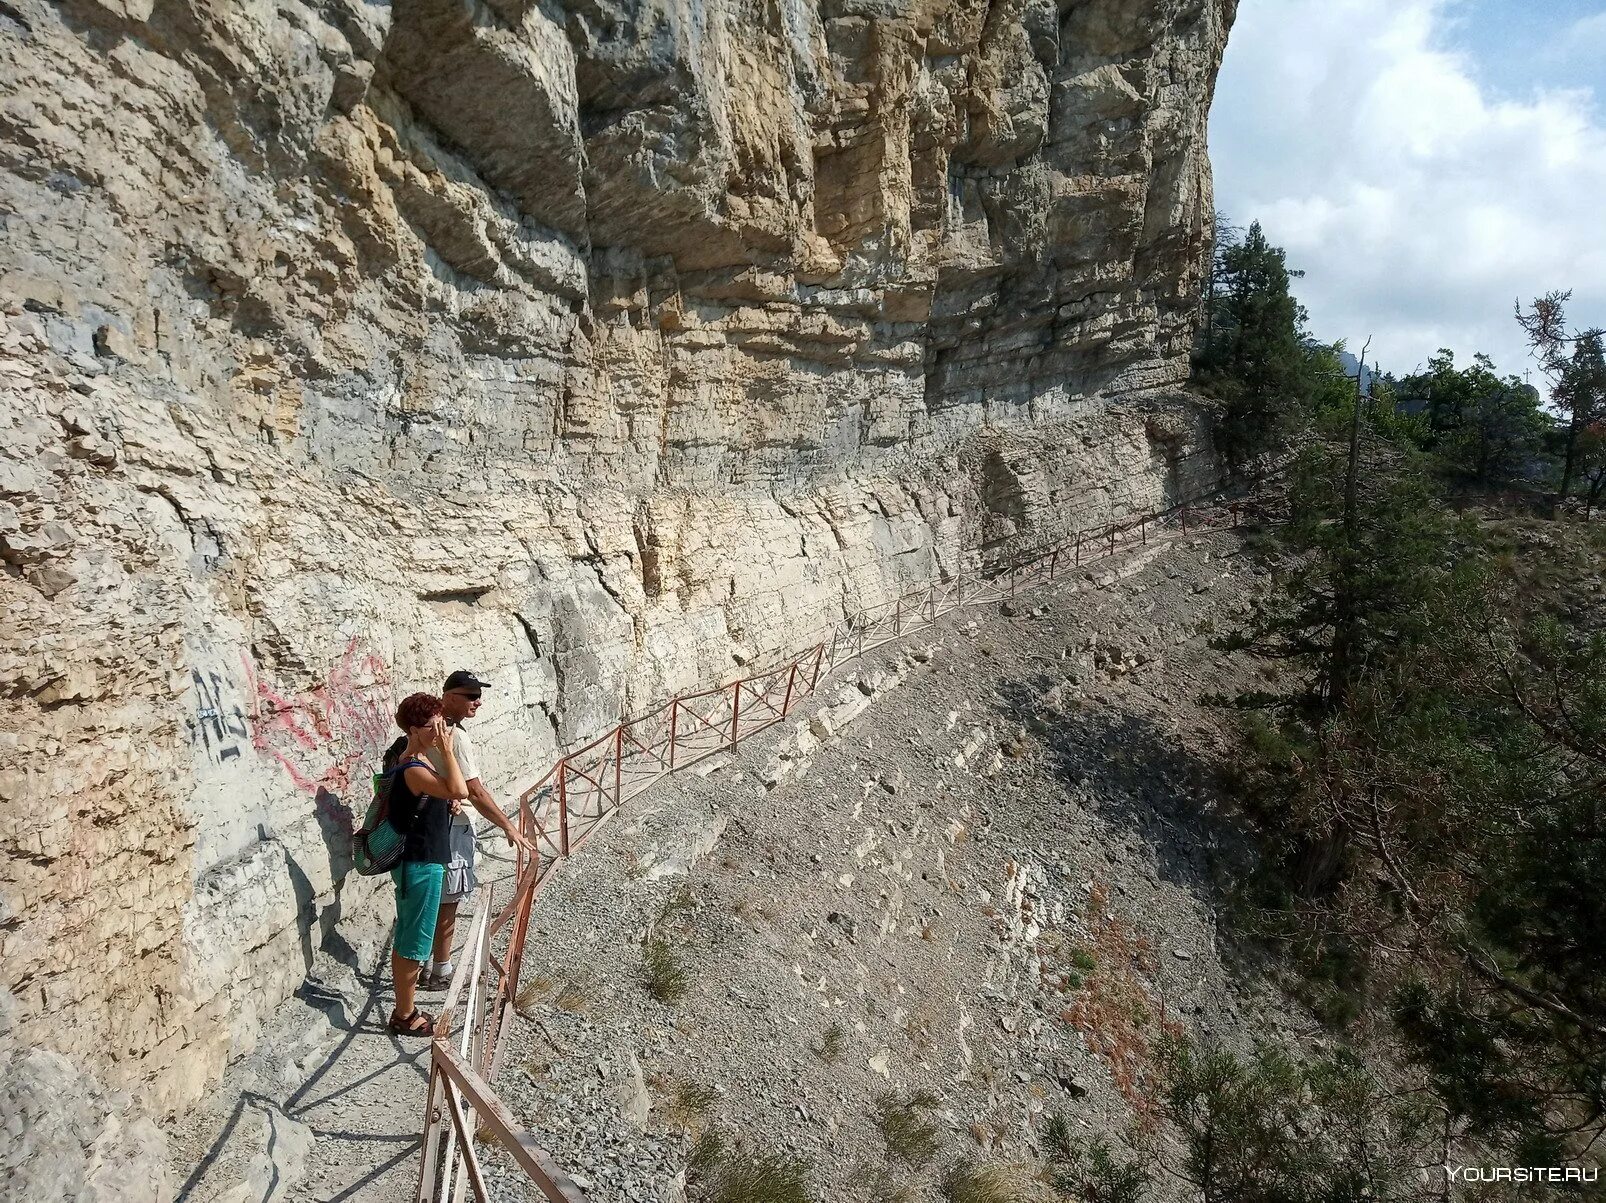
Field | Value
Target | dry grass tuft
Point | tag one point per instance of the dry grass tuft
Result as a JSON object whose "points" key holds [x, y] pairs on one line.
{"points": [[723, 1173], [908, 1134], [1115, 1009], [662, 971], [830, 1050], [705, 1157], [968, 1181], [571, 999], [534, 991], [686, 1104]]}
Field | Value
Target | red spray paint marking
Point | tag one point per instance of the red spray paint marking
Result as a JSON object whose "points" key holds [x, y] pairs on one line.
{"points": [[330, 734]]}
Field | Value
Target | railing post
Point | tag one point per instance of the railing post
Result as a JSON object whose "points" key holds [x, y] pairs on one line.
{"points": [[674, 723], [1078, 549], [619, 766], [1112, 538], [1184, 519], [897, 617], [819, 661], [427, 1169], [736, 712], [563, 807], [791, 679], [1143, 529]]}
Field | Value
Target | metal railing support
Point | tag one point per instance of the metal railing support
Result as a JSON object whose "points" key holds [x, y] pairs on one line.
{"points": [[563, 806], [618, 766], [674, 730], [791, 680]]}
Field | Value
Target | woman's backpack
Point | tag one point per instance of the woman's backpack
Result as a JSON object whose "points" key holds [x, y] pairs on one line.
{"points": [[378, 846]]}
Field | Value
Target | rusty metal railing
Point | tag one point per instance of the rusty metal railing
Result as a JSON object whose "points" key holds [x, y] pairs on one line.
{"points": [[589, 785]]}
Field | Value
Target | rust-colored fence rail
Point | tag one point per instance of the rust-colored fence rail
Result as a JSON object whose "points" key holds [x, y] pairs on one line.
{"points": [[588, 785]]}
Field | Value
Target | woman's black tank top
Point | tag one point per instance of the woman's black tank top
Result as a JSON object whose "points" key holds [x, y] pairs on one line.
{"points": [[426, 820]]}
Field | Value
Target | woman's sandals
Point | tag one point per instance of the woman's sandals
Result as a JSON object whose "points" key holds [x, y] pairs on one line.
{"points": [[416, 1024]]}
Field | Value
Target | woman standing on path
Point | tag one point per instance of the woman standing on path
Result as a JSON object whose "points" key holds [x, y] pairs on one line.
{"points": [[422, 803]]}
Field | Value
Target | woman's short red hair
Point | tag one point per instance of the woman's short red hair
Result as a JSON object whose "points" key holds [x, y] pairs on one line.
{"points": [[417, 710]]}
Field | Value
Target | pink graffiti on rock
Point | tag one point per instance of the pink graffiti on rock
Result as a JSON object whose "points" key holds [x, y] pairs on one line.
{"points": [[327, 736]]}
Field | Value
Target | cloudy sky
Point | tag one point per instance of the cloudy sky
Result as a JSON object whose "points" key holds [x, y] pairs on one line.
{"points": [[1426, 162]]}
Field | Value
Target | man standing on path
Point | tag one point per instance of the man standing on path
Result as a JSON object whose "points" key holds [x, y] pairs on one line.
{"points": [[460, 700]]}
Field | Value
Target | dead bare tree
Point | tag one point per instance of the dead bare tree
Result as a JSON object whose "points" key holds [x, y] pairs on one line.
{"points": [[1574, 362]]}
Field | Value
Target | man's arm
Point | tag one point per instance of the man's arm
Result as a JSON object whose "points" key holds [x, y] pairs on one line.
{"points": [[486, 805]]}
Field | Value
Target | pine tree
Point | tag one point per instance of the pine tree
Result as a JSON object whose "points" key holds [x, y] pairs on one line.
{"points": [[1251, 353]]}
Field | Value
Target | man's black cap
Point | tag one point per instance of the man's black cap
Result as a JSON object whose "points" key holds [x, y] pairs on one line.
{"points": [[463, 679]]}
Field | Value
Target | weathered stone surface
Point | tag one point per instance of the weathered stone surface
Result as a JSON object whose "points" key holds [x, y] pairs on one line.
{"points": [[602, 348], [66, 1138]]}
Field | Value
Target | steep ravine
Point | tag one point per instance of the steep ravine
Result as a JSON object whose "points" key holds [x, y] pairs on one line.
{"points": [[988, 865], [599, 347]]}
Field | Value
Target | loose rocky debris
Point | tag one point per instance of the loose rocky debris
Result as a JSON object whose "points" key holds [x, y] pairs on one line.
{"points": [[982, 871]]}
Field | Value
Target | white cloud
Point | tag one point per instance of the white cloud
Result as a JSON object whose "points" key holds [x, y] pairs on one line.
{"points": [[1584, 37], [1420, 203]]}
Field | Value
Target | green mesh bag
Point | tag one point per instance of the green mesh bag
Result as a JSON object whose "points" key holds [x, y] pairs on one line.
{"points": [[377, 847]]}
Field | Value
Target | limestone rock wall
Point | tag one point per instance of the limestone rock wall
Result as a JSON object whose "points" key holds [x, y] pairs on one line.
{"points": [[602, 347]]}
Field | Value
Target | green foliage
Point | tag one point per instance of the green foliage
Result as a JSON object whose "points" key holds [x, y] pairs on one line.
{"points": [[1269, 1129], [908, 1134], [1574, 362], [1091, 1171], [1251, 353], [1433, 781], [1484, 425], [1368, 578]]}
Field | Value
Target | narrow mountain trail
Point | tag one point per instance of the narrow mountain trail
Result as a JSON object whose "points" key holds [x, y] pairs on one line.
{"points": [[983, 863]]}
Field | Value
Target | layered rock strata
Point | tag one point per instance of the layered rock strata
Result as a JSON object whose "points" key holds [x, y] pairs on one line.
{"points": [[601, 347]]}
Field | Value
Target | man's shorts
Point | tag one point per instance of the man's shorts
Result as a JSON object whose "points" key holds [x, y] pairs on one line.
{"points": [[418, 899], [460, 879]]}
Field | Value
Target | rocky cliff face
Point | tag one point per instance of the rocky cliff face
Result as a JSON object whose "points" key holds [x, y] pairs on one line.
{"points": [[599, 346]]}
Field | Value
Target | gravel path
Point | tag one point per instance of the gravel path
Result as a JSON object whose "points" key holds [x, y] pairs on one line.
{"points": [[328, 1106]]}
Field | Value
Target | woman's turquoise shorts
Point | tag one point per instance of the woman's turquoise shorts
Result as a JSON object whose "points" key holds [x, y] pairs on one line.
{"points": [[418, 900]]}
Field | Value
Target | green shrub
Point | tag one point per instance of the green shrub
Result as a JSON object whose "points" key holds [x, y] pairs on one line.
{"points": [[1089, 1171]]}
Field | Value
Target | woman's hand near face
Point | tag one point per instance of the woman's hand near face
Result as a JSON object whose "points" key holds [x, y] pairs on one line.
{"points": [[443, 734]]}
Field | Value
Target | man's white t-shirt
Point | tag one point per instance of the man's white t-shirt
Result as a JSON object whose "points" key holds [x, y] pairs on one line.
{"points": [[463, 747]]}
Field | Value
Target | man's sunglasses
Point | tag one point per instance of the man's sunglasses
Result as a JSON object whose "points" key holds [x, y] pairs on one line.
{"points": [[473, 697]]}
